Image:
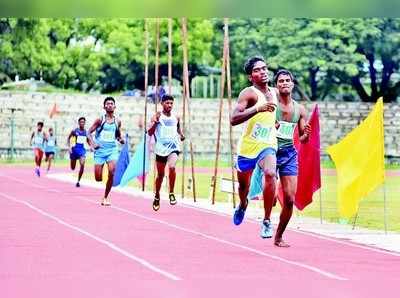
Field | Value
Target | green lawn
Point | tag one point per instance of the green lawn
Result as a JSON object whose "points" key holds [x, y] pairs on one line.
{"points": [[371, 210]]}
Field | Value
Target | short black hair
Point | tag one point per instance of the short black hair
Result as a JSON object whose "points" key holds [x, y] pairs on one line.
{"points": [[167, 97], [81, 118], [107, 99], [283, 72], [40, 123], [248, 66]]}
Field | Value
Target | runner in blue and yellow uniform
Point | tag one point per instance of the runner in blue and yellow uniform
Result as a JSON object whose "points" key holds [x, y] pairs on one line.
{"points": [[76, 144], [256, 108], [108, 131]]}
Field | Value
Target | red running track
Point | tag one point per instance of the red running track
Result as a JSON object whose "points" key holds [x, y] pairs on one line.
{"points": [[57, 241]]}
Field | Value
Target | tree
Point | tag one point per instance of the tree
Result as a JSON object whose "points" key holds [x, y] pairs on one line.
{"points": [[377, 40]]}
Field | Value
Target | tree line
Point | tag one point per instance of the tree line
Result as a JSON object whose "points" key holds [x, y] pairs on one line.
{"points": [[344, 59]]}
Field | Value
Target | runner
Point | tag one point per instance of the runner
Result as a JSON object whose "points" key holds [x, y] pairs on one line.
{"points": [[37, 141], [165, 127], [256, 108], [50, 148], [108, 131], [77, 149]]}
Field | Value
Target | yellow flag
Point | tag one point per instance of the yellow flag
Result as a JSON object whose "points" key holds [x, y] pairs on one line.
{"points": [[359, 160]]}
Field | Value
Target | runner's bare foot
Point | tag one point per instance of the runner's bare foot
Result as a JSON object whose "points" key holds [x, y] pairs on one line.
{"points": [[281, 243]]}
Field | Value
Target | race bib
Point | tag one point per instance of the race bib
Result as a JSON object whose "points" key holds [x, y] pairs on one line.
{"points": [[261, 133], [51, 143], [286, 130], [107, 136], [80, 139]]}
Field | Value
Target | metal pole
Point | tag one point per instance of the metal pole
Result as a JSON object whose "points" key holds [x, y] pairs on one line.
{"points": [[229, 89], [12, 134], [221, 93], [169, 56], [320, 205], [156, 67], [146, 78], [355, 218], [385, 207], [187, 98]]}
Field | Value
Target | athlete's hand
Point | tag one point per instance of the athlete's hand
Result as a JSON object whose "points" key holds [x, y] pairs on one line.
{"points": [[267, 107], [94, 147], [182, 137], [277, 124], [121, 141], [307, 129], [156, 117]]}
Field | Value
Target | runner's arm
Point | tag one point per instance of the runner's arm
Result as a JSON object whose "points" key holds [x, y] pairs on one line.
{"points": [[96, 124], [119, 138], [71, 134], [246, 107], [178, 128], [153, 124], [30, 142], [304, 127]]}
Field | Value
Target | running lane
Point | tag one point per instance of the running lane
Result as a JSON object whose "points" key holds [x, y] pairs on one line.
{"points": [[54, 235]]}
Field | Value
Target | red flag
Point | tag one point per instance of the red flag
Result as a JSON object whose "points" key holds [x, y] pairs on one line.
{"points": [[309, 178], [53, 111]]}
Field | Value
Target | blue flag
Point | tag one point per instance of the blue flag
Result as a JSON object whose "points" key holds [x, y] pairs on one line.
{"points": [[256, 183], [135, 168], [122, 163]]}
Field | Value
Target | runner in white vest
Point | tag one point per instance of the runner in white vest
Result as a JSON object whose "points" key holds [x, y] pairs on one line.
{"points": [[50, 148], [165, 127]]}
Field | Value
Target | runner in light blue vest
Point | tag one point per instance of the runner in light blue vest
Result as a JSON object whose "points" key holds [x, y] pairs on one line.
{"points": [[50, 148], [108, 131]]}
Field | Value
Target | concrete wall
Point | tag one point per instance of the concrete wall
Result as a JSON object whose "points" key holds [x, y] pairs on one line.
{"points": [[337, 119]]}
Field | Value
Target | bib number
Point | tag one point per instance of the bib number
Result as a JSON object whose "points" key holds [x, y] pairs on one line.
{"points": [[50, 143], [80, 139], [108, 136], [261, 133], [286, 130]]}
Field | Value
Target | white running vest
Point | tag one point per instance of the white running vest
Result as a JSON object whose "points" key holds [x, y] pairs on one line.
{"points": [[166, 135]]}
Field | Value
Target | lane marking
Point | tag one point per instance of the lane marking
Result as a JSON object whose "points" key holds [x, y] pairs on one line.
{"points": [[109, 244], [237, 245]]}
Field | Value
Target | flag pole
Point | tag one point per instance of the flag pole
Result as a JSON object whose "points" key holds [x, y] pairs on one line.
{"points": [[146, 78], [384, 207], [221, 102], [320, 205], [355, 218]]}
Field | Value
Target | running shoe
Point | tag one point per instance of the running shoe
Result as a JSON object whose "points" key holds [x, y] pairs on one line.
{"points": [[172, 199], [239, 214], [156, 204], [266, 229]]}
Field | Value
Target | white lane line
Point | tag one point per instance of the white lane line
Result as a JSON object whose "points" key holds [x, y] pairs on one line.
{"points": [[98, 239], [237, 245], [220, 213]]}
